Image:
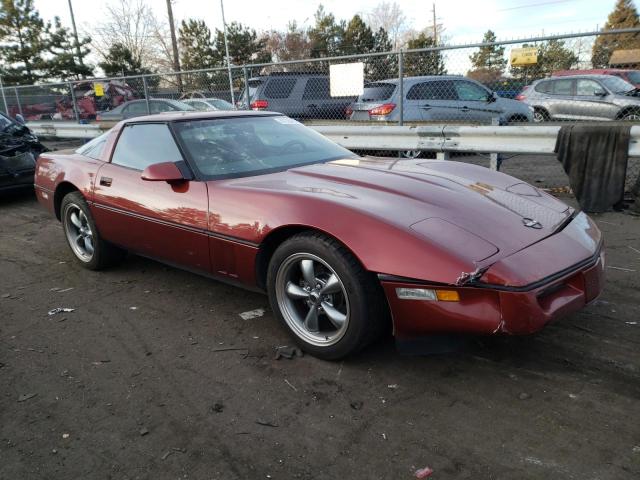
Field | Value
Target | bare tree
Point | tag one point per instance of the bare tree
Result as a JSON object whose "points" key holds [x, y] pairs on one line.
{"points": [[390, 17], [294, 44], [130, 23]]}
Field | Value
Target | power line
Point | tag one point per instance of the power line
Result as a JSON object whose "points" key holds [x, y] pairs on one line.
{"points": [[534, 5]]}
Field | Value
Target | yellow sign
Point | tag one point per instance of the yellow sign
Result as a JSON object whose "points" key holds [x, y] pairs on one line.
{"points": [[99, 89], [524, 56]]}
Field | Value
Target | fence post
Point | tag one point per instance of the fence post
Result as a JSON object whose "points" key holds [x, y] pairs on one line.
{"points": [[145, 89], [18, 101], [4, 99], [246, 88], [73, 101], [401, 87]]}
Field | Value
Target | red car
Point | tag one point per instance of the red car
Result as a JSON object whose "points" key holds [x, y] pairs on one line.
{"points": [[345, 246]]}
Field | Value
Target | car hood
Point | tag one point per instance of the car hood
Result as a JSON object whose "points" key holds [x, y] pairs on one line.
{"points": [[482, 214]]}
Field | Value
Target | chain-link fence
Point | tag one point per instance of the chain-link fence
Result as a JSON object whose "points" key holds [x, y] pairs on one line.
{"points": [[577, 77]]}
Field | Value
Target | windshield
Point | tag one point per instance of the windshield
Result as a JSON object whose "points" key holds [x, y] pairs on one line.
{"points": [[374, 92], [243, 146], [617, 85], [634, 77]]}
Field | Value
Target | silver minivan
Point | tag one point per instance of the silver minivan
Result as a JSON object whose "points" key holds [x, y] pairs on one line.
{"points": [[582, 97], [436, 98]]}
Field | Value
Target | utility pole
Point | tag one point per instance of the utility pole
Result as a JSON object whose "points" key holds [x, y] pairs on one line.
{"points": [[75, 34], [226, 48], [435, 26], [174, 44]]}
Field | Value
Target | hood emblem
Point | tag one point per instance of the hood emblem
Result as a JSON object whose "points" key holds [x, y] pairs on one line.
{"points": [[531, 223]]}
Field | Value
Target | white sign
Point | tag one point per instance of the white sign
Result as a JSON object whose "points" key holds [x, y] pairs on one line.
{"points": [[346, 79]]}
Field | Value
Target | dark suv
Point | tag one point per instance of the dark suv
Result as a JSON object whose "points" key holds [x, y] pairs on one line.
{"points": [[297, 95]]}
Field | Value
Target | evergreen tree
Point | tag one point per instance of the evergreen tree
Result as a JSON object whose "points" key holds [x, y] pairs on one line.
{"points": [[22, 42], [381, 67], [244, 45], [490, 57], [357, 38], [423, 63], [196, 46], [624, 15], [326, 35], [64, 63], [120, 61]]}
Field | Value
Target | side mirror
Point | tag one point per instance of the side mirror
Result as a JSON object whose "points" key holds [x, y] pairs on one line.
{"points": [[164, 172], [20, 119], [600, 93]]}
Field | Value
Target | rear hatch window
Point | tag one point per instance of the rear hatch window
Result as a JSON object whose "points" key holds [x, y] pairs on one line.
{"points": [[279, 87], [377, 92]]}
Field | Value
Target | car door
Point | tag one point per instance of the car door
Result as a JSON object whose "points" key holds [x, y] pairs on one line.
{"points": [[593, 101], [433, 100], [560, 98], [155, 219], [319, 103], [474, 102]]}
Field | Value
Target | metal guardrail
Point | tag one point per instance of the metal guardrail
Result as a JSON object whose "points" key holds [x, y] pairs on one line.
{"points": [[521, 139]]}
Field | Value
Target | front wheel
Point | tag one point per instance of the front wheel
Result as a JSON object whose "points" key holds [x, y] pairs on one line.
{"points": [[325, 298], [82, 236]]}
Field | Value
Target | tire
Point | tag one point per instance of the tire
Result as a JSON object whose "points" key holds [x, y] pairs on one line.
{"points": [[349, 304], [411, 154], [88, 248], [540, 115], [631, 116]]}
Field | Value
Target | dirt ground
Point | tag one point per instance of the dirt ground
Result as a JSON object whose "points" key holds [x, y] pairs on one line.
{"points": [[155, 376]]}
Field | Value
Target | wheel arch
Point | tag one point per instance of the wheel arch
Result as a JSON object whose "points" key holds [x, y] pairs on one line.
{"points": [[277, 237], [626, 110], [63, 189]]}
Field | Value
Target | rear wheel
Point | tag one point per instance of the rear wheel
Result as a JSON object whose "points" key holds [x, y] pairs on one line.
{"points": [[540, 115], [325, 298], [631, 116], [82, 236], [411, 153]]}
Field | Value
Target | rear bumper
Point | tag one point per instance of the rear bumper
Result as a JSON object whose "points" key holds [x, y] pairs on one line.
{"points": [[494, 309]]}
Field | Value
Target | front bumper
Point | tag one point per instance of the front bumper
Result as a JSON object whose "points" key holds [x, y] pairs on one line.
{"points": [[534, 295]]}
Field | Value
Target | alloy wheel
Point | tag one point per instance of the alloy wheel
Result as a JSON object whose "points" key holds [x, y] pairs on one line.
{"points": [[79, 233], [312, 299]]}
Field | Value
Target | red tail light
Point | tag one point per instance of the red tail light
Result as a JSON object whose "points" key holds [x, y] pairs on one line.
{"points": [[348, 112], [98, 118], [520, 96], [259, 105], [385, 109]]}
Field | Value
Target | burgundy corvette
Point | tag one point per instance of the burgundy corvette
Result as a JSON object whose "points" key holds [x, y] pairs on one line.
{"points": [[345, 246]]}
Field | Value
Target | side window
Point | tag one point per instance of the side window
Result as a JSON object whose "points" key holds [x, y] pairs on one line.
{"points": [[588, 88], [279, 87], [438, 90], [135, 108], [95, 147], [543, 87], [562, 87], [143, 144], [199, 105], [470, 91], [159, 107], [317, 88]]}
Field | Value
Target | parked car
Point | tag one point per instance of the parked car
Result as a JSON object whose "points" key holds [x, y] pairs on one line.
{"points": [[437, 99], [19, 148], [631, 76], [208, 104], [298, 95], [260, 200], [136, 108], [582, 97]]}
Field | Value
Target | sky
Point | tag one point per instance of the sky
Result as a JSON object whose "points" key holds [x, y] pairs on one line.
{"points": [[464, 20]]}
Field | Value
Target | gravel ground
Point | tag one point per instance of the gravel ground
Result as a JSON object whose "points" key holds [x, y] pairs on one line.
{"points": [[154, 375]]}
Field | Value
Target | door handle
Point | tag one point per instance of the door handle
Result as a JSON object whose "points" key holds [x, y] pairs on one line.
{"points": [[426, 106], [105, 181], [465, 109]]}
